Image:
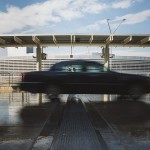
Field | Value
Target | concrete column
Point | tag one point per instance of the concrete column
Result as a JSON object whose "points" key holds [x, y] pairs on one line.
{"points": [[38, 58], [106, 56], [106, 64], [39, 97]]}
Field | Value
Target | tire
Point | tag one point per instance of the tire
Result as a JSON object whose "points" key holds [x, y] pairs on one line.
{"points": [[52, 92], [136, 92]]}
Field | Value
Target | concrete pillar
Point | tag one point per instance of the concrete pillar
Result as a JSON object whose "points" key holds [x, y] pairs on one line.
{"points": [[39, 97], [106, 56], [106, 64], [39, 58]]}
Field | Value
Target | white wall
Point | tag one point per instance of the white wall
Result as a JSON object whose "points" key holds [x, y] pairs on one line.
{"points": [[3, 52], [20, 51]]}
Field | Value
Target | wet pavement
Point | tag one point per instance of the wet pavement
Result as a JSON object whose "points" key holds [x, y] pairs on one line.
{"points": [[31, 121]]}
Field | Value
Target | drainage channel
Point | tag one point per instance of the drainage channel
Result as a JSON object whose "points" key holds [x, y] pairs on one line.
{"points": [[76, 131]]}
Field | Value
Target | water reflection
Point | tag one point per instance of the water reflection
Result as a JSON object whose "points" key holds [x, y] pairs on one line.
{"points": [[130, 117], [11, 104], [35, 113], [15, 108]]}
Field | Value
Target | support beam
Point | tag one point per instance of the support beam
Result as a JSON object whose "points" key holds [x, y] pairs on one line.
{"points": [[127, 40], [106, 55], [18, 40], [71, 39], [109, 39], [143, 41], [39, 58], [106, 64], [54, 40], [36, 40], [91, 39], [39, 98], [2, 41], [74, 39]]}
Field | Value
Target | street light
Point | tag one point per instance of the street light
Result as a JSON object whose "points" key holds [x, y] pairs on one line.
{"points": [[116, 27], [119, 25], [112, 55], [109, 25], [71, 55]]}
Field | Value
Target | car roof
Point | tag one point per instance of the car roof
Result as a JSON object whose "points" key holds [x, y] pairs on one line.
{"points": [[79, 60]]}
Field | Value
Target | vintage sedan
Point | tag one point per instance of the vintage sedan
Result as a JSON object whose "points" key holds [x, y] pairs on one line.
{"points": [[84, 77]]}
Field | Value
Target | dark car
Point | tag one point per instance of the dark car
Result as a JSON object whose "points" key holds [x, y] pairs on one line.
{"points": [[84, 77]]}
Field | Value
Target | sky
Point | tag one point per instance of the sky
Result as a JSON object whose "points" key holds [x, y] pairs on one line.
{"points": [[77, 17]]}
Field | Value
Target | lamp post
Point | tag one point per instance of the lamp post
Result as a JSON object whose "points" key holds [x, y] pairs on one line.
{"points": [[112, 55], [116, 27], [119, 25], [71, 55], [109, 25], [106, 54]]}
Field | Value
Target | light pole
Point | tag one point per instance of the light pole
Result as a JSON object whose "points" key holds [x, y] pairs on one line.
{"points": [[106, 54], [119, 25], [109, 25], [116, 27], [112, 55]]}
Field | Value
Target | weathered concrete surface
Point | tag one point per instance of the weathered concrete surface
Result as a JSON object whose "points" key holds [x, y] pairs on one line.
{"points": [[130, 120], [22, 116]]}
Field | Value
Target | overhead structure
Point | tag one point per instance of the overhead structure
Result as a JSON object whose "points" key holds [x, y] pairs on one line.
{"points": [[75, 40], [48, 40]]}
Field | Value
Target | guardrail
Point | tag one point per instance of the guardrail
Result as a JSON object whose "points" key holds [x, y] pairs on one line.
{"points": [[9, 79]]}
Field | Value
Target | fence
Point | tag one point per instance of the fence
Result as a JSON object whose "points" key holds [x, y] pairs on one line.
{"points": [[9, 79]]}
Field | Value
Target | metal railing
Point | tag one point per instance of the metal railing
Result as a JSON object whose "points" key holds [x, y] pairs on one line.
{"points": [[9, 79]]}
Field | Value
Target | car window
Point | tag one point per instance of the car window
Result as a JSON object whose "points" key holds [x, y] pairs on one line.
{"points": [[79, 67], [74, 68], [68, 67], [94, 67]]}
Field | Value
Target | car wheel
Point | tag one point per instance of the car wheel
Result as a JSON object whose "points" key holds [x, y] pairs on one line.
{"points": [[52, 92], [136, 92]]}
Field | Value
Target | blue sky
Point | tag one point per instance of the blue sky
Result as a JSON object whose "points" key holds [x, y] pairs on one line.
{"points": [[76, 17]]}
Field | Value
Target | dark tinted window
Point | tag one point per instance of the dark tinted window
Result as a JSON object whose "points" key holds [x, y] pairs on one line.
{"points": [[77, 66], [68, 67], [93, 67]]}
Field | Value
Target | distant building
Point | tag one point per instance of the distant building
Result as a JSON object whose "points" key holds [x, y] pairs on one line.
{"points": [[124, 64], [20, 51], [30, 50], [3, 52]]}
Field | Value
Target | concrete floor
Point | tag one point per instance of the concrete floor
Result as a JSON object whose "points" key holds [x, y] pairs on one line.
{"points": [[25, 118]]}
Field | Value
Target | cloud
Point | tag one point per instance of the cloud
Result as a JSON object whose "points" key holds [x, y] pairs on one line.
{"points": [[50, 11], [135, 18], [130, 19], [122, 4], [32, 17], [91, 27]]}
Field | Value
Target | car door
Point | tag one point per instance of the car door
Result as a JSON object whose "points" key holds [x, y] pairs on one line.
{"points": [[98, 79], [69, 76], [74, 79]]}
